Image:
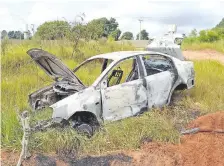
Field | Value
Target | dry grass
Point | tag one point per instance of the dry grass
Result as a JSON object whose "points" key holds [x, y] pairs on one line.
{"points": [[197, 45]]}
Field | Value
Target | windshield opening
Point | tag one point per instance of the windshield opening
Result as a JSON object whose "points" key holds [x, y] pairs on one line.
{"points": [[89, 71]]}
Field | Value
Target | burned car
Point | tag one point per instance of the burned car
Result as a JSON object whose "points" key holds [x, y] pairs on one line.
{"points": [[109, 87]]}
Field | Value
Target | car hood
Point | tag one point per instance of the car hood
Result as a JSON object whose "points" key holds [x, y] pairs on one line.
{"points": [[52, 65]]}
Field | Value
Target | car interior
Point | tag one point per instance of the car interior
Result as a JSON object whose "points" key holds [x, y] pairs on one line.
{"points": [[155, 64], [123, 72]]}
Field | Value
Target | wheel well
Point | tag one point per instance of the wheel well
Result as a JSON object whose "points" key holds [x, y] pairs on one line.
{"points": [[181, 87], [173, 96], [86, 117]]}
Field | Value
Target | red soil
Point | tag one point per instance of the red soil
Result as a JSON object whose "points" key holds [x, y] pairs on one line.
{"points": [[203, 148]]}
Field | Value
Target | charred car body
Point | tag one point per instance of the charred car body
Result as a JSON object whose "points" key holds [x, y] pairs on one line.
{"points": [[128, 83]]}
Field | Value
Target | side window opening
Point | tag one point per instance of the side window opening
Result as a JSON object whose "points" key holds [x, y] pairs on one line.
{"points": [[92, 69], [155, 64], [124, 71]]}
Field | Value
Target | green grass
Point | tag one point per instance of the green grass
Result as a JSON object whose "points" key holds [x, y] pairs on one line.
{"points": [[197, 45], [20, 77], [208, 93]]}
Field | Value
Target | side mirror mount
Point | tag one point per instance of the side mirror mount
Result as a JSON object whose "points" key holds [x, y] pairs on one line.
{"points": [[103, 84]]}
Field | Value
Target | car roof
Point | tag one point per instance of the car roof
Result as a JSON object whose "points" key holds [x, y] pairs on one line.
{"points": [[124, 54]]}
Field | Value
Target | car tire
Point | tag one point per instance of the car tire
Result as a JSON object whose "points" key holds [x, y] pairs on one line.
{"points": [[175, 98], [85, 129]]}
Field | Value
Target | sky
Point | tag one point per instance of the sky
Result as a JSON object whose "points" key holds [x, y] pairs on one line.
{"points": [[156, 15]]}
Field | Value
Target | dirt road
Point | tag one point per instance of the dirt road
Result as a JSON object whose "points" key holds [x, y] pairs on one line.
{"points": [[205, 54]]}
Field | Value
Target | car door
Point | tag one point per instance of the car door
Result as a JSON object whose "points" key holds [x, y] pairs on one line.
{"points": [[124, 98], [160, 77]]}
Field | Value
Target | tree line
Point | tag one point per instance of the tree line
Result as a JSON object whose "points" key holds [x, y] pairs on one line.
{"points": [[93, 30], [103, 27], [12, 34], [211, 35]]}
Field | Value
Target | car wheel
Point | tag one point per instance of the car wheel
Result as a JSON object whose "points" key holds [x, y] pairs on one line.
{"points": [[85, 129], [175, 98]]}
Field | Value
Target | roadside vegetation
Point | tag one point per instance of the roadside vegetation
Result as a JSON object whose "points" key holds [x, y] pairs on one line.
{"points": [[198, 45], [21, 76], [206, 39]]}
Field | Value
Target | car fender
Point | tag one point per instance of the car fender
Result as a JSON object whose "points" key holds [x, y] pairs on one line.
{"points": [[186, 72], [88, 100]]}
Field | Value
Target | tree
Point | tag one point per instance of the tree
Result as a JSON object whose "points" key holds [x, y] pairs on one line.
{"points": [[4, 34], [29, 34], [116, 34], [220, 29], [53, 30], [144, 35], [95, 29], [11, 34], [112, 26], [18, 35], [78, 31], [208, 36], [15, 35], [127, 36], [193, 33], [220, 32], [102, 27], [220, 24], [212, 36]]}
